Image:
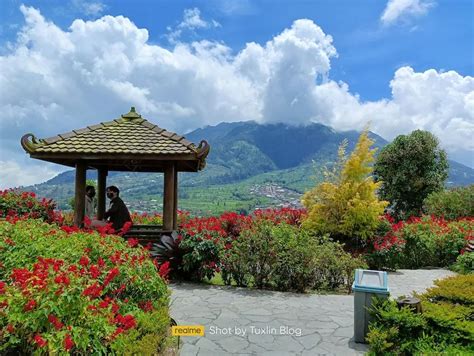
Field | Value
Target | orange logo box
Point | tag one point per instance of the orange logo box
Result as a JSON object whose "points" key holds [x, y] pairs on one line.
{"points": [[187, 330]]}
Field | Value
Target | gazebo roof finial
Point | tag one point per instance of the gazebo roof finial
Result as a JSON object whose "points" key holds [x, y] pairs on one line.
{"points": [[132, 114]]}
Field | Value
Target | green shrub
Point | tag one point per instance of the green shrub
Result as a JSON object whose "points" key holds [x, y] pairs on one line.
{"points": [[451, 204], [464, 263], [295, 263], [252, 257], [67, 290], [446, 322], [284, 257], [458, 289]]}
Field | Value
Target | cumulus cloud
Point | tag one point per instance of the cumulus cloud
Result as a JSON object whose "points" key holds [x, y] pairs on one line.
{"points": [[191, 21], [400, 10], [89, 8], [54, 80]]}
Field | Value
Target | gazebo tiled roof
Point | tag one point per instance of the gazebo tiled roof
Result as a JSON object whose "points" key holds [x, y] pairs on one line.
{"points": [[129, 137]]}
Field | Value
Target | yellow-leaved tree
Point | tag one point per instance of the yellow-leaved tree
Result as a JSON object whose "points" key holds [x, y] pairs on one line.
{"points": [[345, 205]]}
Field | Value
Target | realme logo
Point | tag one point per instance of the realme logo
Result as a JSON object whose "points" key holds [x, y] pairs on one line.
{"points": [[187, 330]]}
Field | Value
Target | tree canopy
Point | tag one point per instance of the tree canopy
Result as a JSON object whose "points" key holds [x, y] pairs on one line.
{"points": [[410, 168]]}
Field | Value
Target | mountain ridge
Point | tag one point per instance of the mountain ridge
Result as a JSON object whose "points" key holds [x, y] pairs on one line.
{"points": [[243, 154]]}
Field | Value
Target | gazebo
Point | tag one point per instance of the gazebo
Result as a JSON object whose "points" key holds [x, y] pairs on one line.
{"points": [[129, 143]]}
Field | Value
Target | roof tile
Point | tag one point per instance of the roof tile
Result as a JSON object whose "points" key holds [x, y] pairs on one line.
{"points": [[124, 135]]}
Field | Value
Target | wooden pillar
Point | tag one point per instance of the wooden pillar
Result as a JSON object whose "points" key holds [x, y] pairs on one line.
{"points": [[168, 197], [175, 200], [101, 184], [80, 194]]}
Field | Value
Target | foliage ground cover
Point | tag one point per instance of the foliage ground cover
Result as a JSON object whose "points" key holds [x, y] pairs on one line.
{"points": [[446, 325]]}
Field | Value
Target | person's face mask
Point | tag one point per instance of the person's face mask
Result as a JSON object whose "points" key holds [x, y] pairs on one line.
{"points": [[91, 194], [110, 195]]}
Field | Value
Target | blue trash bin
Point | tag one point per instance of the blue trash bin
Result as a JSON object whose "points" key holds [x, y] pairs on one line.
{"points": [[367, 285]]}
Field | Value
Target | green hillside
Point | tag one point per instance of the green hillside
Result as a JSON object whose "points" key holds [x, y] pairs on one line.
{"points": [[249, 166]]}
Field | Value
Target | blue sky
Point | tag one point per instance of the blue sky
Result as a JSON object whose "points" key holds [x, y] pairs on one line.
{"points": [[369, 52], [400, 64]]}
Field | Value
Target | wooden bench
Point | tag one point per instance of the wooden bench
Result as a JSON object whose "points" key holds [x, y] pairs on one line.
{"points": [[146, 233]]}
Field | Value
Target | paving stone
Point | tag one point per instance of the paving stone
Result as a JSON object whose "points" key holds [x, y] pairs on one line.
{"points": [[310, 341], [343, 321], [189, 349], [322, 325], [326, 321], [257, 311], [233, 344], [345, 332], [205, 344]]}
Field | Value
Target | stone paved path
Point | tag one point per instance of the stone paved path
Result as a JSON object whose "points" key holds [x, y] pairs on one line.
{"points": [[277, 323]]}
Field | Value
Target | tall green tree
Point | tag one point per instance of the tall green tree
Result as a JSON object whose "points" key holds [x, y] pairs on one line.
{"points": [[346, 205], [410, 168]]}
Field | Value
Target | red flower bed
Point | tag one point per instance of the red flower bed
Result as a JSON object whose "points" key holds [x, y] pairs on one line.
{"points": [[77, 291], [421, 242], [15, 205]]}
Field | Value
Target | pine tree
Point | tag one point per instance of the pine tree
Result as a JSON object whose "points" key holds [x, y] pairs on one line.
{"points": [[346, 203]]}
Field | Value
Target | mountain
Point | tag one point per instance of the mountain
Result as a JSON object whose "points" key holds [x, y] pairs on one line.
{"points": [[249, 165]]}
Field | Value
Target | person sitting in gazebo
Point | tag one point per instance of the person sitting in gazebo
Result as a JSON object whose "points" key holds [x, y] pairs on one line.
{"points": [[117, 214], [90, 206]]}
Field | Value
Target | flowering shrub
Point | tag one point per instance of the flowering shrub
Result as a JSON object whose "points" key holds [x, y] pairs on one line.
{"points": [[203, 241], [421, 242], [64, 290], [15, 205], [200, 240]]}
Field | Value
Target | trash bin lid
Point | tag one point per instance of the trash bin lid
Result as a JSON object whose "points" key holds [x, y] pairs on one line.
{"points": [[370, 281]]}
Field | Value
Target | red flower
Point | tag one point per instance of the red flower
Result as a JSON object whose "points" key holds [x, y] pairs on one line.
{"points": [[39, 340], [118, 331], [2, 287], [30, 305], [164, 270], [55, 321], [68, 342], [10, 328], [132, 242], [115, 307], [93, 291], [84, 261], [126, 227], [62, 278], [105, 303], [126, 321], [114, 272], [87, 221], [94, 271], [146, 306]]}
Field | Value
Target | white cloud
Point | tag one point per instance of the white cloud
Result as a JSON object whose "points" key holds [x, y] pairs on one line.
{"points": [[191, 21], [397, 10], [89, 8], [30, 174], [53, 81]]}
